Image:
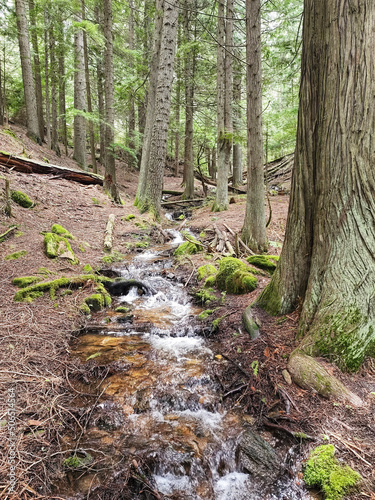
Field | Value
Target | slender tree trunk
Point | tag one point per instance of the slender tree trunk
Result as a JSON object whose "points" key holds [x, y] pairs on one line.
{"points": [[54, 84], [254, 228], [46, 74], [237, 148], [110, 167], [327, 261], [143, 173], [88, 94], [221, 202], [189, 103], [131, 122], [214, 164], [63, 134], [79, 153], [158, 147], [37, 70], [101, 108], [27, 72], [177, 109], [1, 97]]}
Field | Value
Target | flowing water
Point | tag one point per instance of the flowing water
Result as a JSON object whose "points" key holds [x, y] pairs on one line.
{"points": [[160, 405]]}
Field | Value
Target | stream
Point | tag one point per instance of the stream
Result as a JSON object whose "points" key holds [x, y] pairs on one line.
{"points": [[160, 408]]}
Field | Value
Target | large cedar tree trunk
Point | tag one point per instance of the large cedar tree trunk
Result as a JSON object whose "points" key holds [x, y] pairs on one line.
{"points": [[254, 228], [328, 261]]}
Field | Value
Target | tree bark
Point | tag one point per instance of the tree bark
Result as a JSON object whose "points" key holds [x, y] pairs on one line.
{"points": [[154, 70], [328, 261], [79, 153], [189, 56], [110, 167], [88, 94], [46, 73], [37, 71], [151, 201], [63, 133], [221, 202], [237, 148], [254, 228], [27, 72], [54, 84]]}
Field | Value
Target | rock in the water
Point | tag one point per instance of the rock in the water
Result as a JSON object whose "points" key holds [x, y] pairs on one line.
{"points": [[250, 323], [258, 458]]}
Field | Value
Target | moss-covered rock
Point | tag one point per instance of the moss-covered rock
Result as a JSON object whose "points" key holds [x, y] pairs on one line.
{"points": [[58, 246], [266, 262], [21, 199], [188, 248], [122, 309], [210, 281], [206, 271], [235, 277], [24, 281], [16, 255], [87, 268], [324, 471], [61, 231]]}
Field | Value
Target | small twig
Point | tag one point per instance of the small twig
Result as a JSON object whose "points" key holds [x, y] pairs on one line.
{"points": [[350, 447], [233, 391]]}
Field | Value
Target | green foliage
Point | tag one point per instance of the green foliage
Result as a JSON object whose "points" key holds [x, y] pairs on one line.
{"points": [[24, 281], [58, 246], [324, 471], [204, 296], [122, 309], [204, 314], [78, 462], [255, 367], [129, 217], [87, 268], [21, 199], [235, 277], [16, 255]]}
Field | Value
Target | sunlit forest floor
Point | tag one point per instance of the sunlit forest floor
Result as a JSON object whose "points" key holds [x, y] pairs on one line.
{"points": [[35, 336]]}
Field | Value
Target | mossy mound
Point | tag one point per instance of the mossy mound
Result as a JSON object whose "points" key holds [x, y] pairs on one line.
{"points": [[24, 281], [122, 309], [235, 277], [21, 199], [61, 231], [324, 471], [206, 271], [58, 246], [16, 255], [210, 281], [188, 248], [266, 262]]}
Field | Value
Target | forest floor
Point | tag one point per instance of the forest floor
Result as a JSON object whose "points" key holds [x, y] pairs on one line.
{"points": [[37, 374]]}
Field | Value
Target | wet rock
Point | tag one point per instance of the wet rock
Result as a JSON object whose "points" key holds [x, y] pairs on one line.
{"points": [[123, 286], [257, 457]]}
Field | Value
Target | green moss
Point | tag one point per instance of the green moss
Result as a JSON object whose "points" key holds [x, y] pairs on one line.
{"points": [[206, 271], [210, 282], [270, 299], [115, 256], [204, 314], [95, 302], [204, 296], [188, 248], [16, 255], [141, 244], [85, 308], [58, 246], [215, 324], [21, 199], [78, 462], [122, 309], [324, 471], [51, 286], [61, 231], [9, 132], [235, 277], [129, 217], [87, 268], [95, 201], [24, 281], [45, 271], [267, 262]]}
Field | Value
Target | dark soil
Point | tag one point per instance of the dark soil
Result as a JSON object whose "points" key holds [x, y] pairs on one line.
{"points": [[35, 336]]}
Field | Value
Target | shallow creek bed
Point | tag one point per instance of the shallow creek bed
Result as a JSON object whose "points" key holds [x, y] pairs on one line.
{"points": [[157, 425]]}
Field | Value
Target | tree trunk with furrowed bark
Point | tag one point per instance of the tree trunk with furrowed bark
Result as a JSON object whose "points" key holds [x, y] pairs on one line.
{"points": [[328, 258]]}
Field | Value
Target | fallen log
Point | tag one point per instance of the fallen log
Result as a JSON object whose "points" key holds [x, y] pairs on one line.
{"points": [[181, 202], [28, 166], [207, 180], [7, 233]]}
